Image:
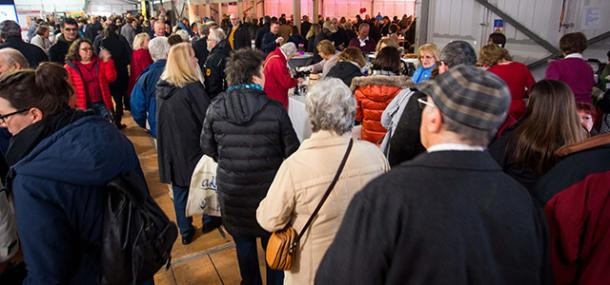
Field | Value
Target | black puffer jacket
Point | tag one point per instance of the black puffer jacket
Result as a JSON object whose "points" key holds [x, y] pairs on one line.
{"points": [[345, 71], [249, 136], [180, 114]]}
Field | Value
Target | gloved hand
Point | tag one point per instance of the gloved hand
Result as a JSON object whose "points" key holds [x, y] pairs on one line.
{"points": [[307, 68]]}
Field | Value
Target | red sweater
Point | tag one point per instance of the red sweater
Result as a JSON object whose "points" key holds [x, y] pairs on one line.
{"points": [[106, 74], [140, 60], [277, 77], [519, 80]]}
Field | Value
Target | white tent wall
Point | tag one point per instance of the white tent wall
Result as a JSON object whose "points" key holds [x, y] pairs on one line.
{"points": [[46, 6], [106, 8], [468, 20]]}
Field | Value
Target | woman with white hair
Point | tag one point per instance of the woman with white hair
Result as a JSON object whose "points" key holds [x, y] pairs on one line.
{"points": [[304, 177], [278, 80]]}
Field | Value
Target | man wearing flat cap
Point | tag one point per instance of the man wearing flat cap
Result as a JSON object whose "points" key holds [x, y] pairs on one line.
{"points": [[449, 216]]}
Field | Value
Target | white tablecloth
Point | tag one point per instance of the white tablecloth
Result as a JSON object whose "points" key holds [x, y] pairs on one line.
{"points": [[298, 117]]}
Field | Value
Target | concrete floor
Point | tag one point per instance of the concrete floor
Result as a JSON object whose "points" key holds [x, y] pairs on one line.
{"points": [[210, 258]]}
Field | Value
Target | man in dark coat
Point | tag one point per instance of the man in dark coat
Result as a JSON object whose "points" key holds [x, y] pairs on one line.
{"points": [[121, 54], [576, 198], [214, 67], [260, 33], [305, 26], [272, 40], [69, 33], [239, 36], [249, 136], [10, 32], [405, 143], [451, 216], [200, 46], [364, 42]]}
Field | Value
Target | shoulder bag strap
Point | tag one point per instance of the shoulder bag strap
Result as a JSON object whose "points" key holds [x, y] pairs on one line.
{"points": [[330, 188]]}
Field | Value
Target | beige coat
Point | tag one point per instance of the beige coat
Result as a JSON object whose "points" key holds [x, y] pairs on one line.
{"points": [[299, 186]]}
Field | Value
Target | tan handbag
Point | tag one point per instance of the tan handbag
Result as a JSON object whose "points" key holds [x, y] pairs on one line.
{"points": [[283, 244]]}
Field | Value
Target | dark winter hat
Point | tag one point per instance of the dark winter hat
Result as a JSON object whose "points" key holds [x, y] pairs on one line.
{"points": [[470, 96]]}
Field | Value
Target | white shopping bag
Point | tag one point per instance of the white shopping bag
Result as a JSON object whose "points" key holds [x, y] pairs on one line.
{"points": [[203, 198]]}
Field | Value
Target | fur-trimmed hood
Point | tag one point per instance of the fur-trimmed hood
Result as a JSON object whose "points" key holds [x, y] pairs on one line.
{"points": [[401, 82]]}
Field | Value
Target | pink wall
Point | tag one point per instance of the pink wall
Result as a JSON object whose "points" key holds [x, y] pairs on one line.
{"points": [[340, 8]]}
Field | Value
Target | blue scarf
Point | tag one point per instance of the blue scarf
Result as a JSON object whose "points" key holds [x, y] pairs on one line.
{"points": [[245, 86]]}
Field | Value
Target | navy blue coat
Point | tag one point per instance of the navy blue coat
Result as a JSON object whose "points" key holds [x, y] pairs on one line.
{"points": [[59, 203], [143, 97]]}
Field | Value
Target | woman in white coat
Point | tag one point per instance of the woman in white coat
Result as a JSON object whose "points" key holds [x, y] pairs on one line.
{"points": [[304, 177], [41, 39]]}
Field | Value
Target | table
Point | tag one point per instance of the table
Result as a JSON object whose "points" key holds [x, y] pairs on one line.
{"points": [[300, 60], [414, 61], [299, 117]]}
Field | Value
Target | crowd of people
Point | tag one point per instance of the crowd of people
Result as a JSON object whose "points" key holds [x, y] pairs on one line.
{"points": [[465, 170]]}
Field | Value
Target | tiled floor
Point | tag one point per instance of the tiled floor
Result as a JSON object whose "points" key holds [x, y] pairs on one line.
{"points": [[210, 258]]}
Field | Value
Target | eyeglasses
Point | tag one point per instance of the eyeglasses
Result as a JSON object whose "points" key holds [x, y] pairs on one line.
{"points": [[427, 57], [423, 102], [4, 117]]}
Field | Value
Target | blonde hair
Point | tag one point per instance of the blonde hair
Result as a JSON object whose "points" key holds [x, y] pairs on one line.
{"points": [[139, 40], [431, 48], [179, 70], [491, 54], [326, 46], [386, 42]]}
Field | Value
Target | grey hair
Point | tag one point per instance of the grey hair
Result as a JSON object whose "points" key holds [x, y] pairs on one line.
{"points": [[217, 35], [183, 34], [331, 106], [458, 52], [158, 48], [289, 49], [11, 56], [468, 134], [9, 28]]}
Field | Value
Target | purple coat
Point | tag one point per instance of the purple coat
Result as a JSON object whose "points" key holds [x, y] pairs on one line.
{"points": [[575, 72]]}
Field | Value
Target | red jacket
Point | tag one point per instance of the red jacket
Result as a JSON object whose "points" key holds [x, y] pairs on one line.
{"points": [[373, 94], [107, 74], [520, 81], [277, 77], [140, 60], [576, 198]]}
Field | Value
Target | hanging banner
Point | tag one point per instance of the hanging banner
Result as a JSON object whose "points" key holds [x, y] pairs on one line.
{"points": [[8, 10]]}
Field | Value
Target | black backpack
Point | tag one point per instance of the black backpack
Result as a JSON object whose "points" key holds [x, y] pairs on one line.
{"points": [[137, 235]]}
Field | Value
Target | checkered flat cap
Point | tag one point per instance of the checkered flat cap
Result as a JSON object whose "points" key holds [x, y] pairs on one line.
{"points": [[470, 96]]}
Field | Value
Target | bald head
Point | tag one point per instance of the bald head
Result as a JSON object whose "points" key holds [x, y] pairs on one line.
{"points": [[234, 20], [11, 60]]}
